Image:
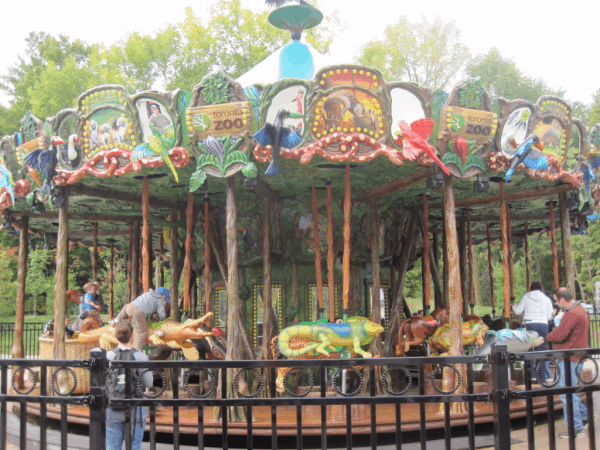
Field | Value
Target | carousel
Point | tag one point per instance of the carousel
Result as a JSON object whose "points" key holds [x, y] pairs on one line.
{"points": [[292, 208]]}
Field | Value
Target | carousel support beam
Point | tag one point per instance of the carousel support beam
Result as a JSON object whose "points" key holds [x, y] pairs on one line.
{"points": [[463, 258], [394, 186], [232, 272], [206, 254], [60, 288], [135, 260], [145, 236], [346, 254], [187, 262], [471, 295], [511, 265], [128, 197], [107, 233], [18, 348], [565, 234], [554, 248], [330, 256], [111, 284], [95, 250], [491, 270], [505, 270], [317, 239], [527, 263], [435, 258], [426, 263], [174, 268], [88, 217], [519, 195]]}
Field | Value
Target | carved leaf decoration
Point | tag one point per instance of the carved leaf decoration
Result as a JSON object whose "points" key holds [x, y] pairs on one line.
{"points": [[453, 158], [232, 158], [474, 161], [461, 148], [197, 179], [250, 170]]}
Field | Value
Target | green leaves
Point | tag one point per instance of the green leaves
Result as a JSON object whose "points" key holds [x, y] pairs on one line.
{"points": [[216, 89], [250, 170], [470, 94], [197, 180]]}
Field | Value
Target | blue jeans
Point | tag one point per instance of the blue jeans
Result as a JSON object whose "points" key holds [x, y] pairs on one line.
{"points": [[579, 409], [115, 428], [542, 330]]}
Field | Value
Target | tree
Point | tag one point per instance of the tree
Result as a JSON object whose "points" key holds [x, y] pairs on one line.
{"points": [[501, 78], [594, 114], [427, 53]]}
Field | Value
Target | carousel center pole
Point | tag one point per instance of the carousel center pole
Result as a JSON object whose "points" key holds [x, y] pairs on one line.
{"points": [[145, 237], [426, 264], [317, 242], [346, 254], [470, 260], [491, 270], [330, 257], [206, 254], [505, 269], [60, 288]]}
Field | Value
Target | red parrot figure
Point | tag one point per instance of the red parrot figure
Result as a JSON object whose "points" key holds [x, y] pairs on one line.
{"points": [[414, 140]]}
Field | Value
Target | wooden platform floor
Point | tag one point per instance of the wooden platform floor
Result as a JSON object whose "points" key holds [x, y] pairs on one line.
{"points": [[311, 417]]}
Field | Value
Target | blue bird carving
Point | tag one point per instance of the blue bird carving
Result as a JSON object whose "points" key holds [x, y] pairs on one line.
{"points": [[529, 156], [278, 136], [5, 182], [45, 160], [586, 168]]}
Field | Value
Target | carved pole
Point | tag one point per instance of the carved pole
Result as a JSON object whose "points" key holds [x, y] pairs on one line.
{"points": [[527, 265], [268, 313], [145, 237], [174, 257], [296, 293], [346, 254], [439, 294], [470, 259], [161, 275], [95, 251], [111, 285], [505, 269], [445, 261], [130, 265], [554, 248], [511, 266], [150, 253], [426, 264], [565, 226], [60, 288], [462, 256], [187, 262], [491, 270], [376, 286], [18, 348], [330, 257], [206, 254], [135, 260], [317, 241]]}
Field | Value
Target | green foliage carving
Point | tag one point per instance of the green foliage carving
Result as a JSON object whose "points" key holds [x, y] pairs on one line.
{"points": [[216, 89], [472, 160], [457, 121], [470, 94]]}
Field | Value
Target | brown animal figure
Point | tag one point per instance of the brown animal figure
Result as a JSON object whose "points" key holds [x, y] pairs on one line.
{"points": [[72, 295], [339, 103]]}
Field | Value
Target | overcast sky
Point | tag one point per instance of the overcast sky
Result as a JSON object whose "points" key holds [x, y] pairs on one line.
{"points": [[550, 39]]}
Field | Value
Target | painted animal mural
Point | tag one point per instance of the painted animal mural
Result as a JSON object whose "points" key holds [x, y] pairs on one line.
{"points": [[321, 340]]}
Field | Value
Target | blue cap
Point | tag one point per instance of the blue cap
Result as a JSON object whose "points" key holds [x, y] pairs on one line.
{"points": [[164, 291]]}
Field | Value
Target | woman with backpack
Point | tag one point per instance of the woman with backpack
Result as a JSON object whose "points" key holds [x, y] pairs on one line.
{"points": [[116, 388]]}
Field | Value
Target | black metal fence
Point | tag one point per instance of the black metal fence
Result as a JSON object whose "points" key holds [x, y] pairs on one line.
{"points": [[31, 335], [224, 376]]}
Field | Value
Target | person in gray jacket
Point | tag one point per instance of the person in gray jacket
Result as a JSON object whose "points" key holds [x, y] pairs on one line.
{"points": [[538, 311], [141, 309]]}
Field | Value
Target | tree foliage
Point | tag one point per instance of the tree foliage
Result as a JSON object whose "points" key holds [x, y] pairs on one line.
{"points": [[427, 53]]}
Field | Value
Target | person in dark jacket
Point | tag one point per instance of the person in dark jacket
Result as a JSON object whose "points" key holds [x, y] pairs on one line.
{"points": [[141, 309], [572, 333]]}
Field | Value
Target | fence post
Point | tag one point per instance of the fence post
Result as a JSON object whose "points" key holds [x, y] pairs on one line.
{"points": [[500, 396], [98, 399]]}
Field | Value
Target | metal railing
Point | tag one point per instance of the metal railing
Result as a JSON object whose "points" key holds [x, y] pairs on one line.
{"points": [[31, 335], [227, 373]]}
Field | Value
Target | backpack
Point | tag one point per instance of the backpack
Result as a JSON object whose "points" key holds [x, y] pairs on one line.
{"points": [[115, 380]]}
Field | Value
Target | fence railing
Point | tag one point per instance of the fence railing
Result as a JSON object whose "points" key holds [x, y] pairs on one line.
{"points": [[226, 377], [31, 335]]}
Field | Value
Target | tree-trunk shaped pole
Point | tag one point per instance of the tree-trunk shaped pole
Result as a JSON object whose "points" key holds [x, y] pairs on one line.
{"points": [[455, 294], [150, 255], [435, 257], [111, 284], [135, 260], [565, 235], [234, 336], [491, 269], [463, 269], [60, 288], [268, 312], [174, 267], [95, 252], [511, 265], [527, 263], [330, 256], [161, 271], [554, 248], [470, 259], [505, 270], [317, 242], [346, 254], [445, 261], [187, 262], [296, 293], [426, 263], [130, 265], [145, 236], [206, 255], [18, 348], [376, 344]]}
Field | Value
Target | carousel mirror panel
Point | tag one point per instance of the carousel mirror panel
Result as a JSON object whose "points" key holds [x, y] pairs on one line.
{"points": [[313, 303]]}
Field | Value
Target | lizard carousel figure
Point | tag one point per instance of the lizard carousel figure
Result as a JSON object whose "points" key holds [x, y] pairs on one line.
{"points": [[322, 340]]}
